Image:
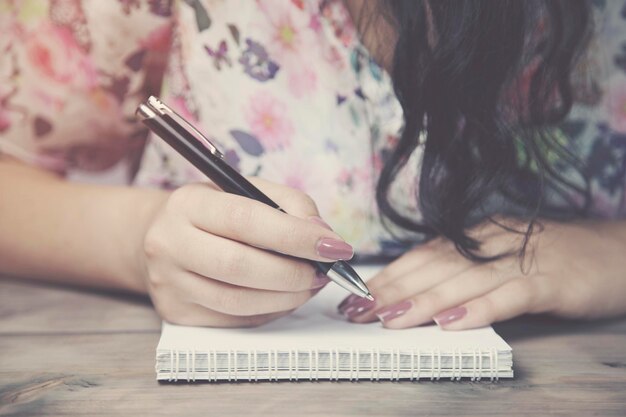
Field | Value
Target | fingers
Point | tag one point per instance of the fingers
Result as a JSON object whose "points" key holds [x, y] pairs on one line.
{"points": [[434, 282], [242, 265], [422, 269], [202, 232], [191, 314], [443, 286], [254, 223], [420, 308], [417, 281], [238, 301], [411, 261], [508, 301]]}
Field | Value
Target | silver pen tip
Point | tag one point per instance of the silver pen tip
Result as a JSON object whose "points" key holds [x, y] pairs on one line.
{"points": [[369, 297]]}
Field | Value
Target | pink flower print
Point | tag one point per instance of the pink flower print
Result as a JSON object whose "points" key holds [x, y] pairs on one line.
{"points": [[294, 176], [315, 24], [307, 173], [303, 82], [338, 16], [269, 122], [288, 31], [298, 3], [333, 57], [55, 54], [615, 101]]}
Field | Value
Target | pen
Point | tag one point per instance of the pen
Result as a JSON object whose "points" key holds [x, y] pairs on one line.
{"points": [[205, 156]]}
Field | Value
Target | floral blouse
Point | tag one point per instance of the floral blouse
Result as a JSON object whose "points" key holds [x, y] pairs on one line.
{"points": [[285, 88]]}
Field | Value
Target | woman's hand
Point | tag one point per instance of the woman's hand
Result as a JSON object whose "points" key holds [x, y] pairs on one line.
{"points": [[571, 270], [216, 259]]}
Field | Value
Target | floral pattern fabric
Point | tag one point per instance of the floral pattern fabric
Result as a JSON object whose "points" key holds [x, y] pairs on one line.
{"points": [[72, 73], [284, 87]]}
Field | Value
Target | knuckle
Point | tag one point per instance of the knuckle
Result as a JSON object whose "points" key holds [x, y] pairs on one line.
{"points": [[307, 202], [301, 203], [154, 244], [181, 197], [155, 280]]}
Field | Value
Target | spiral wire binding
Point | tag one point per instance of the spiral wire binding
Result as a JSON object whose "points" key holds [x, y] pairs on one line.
{"points": [[298, 362]]}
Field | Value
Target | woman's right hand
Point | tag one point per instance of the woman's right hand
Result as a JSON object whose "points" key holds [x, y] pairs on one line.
{"points": [[215, 259]]}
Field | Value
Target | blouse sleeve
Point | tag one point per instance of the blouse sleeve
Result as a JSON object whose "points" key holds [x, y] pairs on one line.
{"points": [[596, 125], [71, 74]]}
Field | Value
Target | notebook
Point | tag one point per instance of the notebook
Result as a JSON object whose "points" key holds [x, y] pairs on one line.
{"points": [[317, 343]]}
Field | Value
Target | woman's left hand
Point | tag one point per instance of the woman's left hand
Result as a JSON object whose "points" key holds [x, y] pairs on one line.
{"points": [[574, 270]]}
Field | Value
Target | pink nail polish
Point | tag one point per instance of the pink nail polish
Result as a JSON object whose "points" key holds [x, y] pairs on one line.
{"points": [[394, 311], [334, 249], [449, 316], [320, 281], [346, 301], [356, 306], [320, 221]]}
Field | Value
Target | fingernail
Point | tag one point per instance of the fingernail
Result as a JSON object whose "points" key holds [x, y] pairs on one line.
{"points": [[355, 305], [320, 221], [449, 316], [346, 301], [394, 311], [334, 249], [320, 280]]}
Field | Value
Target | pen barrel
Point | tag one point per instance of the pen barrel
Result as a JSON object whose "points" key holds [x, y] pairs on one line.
{"points": [[211, 165], [324, 267]]}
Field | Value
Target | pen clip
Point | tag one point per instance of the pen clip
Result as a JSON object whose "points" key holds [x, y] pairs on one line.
{"points": [[162, 109]]}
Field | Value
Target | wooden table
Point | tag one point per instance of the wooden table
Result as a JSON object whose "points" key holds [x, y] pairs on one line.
{"points": [[66, 352]]}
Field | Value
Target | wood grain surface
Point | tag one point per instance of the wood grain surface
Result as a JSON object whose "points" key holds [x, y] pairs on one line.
{"points": [[68, 352]]}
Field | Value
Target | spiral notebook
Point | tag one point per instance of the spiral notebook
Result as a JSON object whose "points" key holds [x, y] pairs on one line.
{"points": [[316, 343]]}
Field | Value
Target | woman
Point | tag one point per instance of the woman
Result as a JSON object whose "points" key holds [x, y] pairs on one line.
{"points": [[447, 124]]}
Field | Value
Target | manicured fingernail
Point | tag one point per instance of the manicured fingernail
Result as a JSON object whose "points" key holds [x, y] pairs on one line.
{"points": [[355, 305], [449, 316], [346, 301], [320, 221], [394, 311], [334, 249], [320, 280]]}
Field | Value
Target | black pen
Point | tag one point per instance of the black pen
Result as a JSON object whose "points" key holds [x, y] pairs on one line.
{"points": [[205, 156]]}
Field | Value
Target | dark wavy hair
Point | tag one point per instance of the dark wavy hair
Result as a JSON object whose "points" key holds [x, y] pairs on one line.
{"points": [[483, 81]]}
